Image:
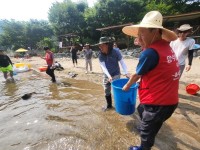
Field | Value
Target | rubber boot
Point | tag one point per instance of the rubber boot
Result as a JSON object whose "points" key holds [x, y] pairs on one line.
{"points": [[109, 103]]}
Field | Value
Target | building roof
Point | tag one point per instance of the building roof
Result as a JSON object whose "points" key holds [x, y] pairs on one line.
{"points": [[181, 17], [115, 26], [68, 35]]}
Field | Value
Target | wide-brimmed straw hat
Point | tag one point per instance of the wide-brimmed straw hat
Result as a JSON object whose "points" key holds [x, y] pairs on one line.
{"points": [[184, 27], [152, 19]]}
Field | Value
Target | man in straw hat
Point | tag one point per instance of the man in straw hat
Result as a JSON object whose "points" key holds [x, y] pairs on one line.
{"points": [[109, 59], [183, 46], [158, 72]]}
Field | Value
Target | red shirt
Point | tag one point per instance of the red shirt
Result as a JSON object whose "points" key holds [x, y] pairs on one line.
{"points": [[160, 85], [49, 58]]}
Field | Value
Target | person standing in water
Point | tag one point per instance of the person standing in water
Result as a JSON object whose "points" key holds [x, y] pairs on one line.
{"points": [[158, 72], [74, 51], [109, 59], [49, 57], [6, 65]]}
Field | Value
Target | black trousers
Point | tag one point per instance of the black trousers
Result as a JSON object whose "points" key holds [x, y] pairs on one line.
{"points": [[74, 59], [152, 117], [50, 72]]}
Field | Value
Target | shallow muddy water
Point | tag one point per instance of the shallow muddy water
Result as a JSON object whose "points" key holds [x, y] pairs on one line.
{"points": [[68, 116]]}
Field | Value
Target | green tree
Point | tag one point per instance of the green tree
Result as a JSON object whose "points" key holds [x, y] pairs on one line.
{"points": [[45, 42], [112, 12], [67, 17], [13, 34], [36, 31], [172, 7], [16, 34]]}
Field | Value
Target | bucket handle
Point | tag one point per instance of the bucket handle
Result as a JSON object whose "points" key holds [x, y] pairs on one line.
{"points": [[137, 84]]}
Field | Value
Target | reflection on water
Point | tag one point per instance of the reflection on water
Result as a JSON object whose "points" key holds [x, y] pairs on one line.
{"points": [[68, 116]]}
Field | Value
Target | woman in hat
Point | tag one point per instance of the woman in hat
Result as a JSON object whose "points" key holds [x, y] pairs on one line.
{"points": [[183, 47], [109, 59], [88, 57], [6, 65], [158, 73]]}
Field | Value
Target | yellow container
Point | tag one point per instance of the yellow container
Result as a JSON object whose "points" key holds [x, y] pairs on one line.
{"points": [[18, 65]]}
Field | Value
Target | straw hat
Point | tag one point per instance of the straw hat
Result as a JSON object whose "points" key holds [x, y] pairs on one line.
{"points": [[152, 19], [184, 27]]}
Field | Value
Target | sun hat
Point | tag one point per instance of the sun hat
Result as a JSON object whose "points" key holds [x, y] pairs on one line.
{"points": [[104, 40], [46, 48], [152, 19], [184, 27], [87, 44]]}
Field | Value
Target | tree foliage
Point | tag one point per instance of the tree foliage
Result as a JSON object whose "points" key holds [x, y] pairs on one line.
{"points": [[37, 31], [172, 7], [66, 17], [13, 35], [16, 34], [77, 18]]}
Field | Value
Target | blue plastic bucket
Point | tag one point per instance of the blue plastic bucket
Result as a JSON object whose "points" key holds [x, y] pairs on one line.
{"points": [[124, 100]]}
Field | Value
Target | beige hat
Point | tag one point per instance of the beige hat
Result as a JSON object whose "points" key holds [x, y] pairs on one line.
{"points": [[87, 44], [152, 19], [184, 27]]}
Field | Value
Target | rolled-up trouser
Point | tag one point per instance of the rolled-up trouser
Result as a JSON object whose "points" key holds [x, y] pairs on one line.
{"points": [[182, 67], [152, 117], [107, 84], [74, 59], [88, 61], [50, 72]]}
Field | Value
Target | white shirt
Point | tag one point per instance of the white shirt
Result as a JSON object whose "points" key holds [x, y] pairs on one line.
{"points": [[181, 48]]}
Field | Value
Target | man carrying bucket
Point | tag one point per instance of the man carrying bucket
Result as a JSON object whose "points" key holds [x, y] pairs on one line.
{"points": [[158, 71], [109, 59]]}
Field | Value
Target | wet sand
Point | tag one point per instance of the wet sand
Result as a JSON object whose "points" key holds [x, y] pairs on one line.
{"points": [[181, 131]]}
